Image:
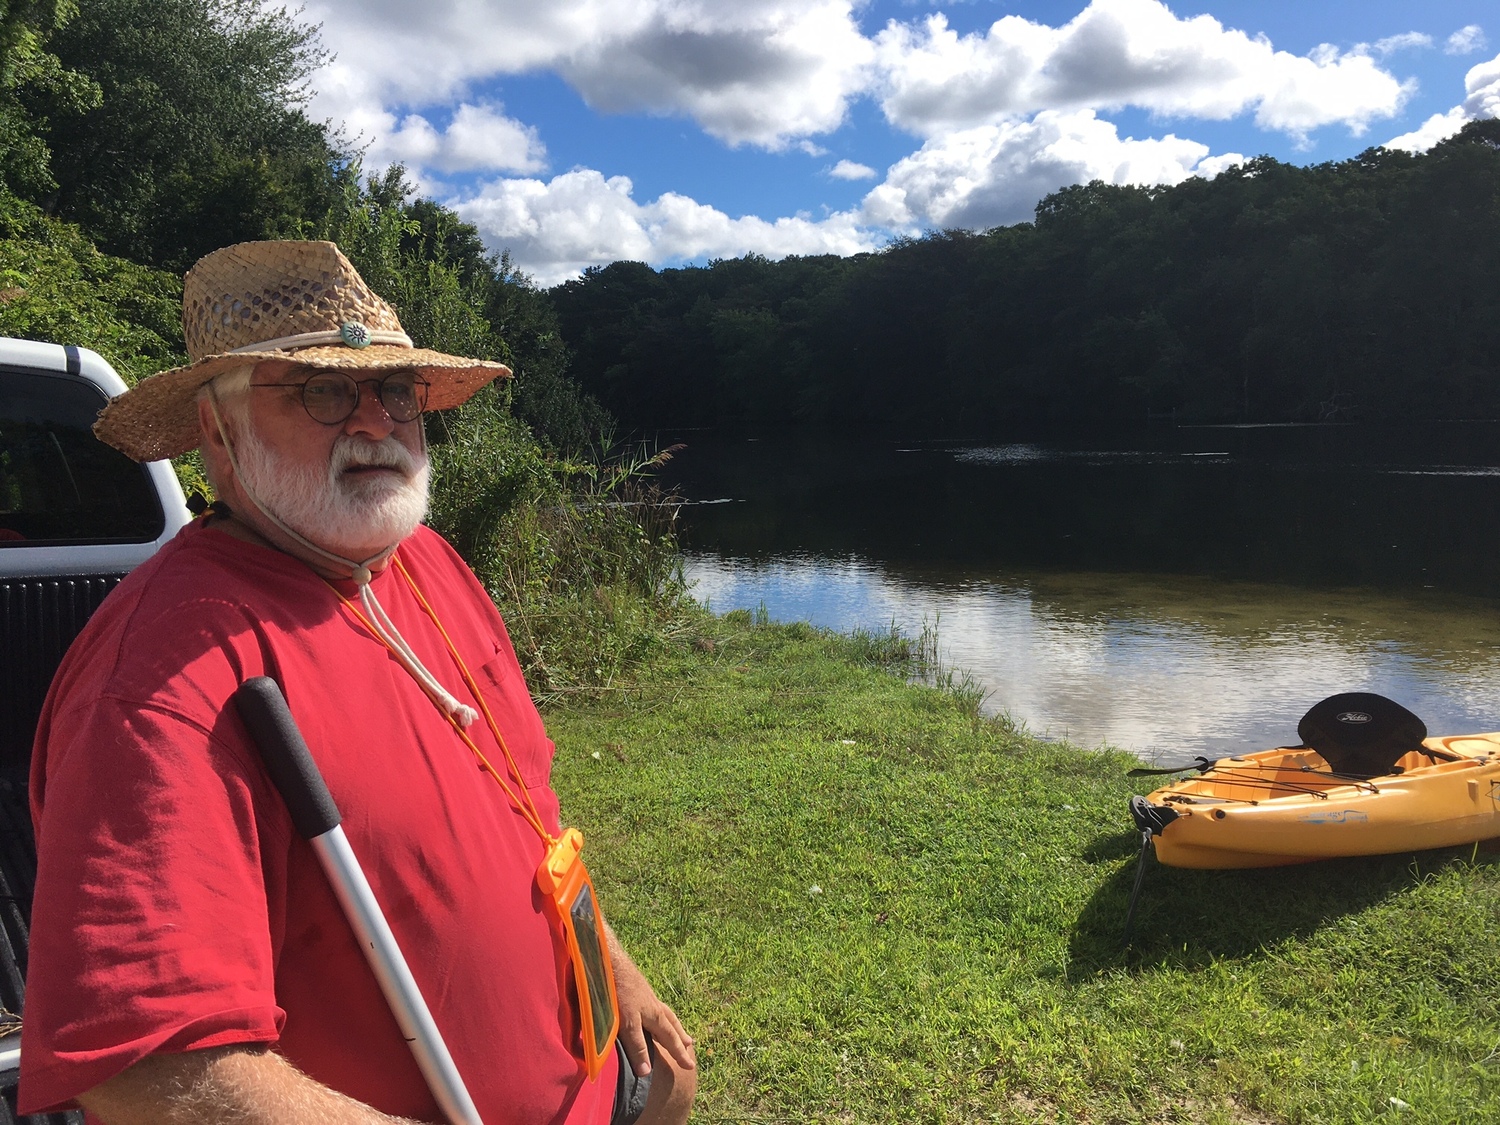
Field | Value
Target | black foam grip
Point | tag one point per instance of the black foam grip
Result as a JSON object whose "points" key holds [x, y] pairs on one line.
{"points": [[288, 761]]}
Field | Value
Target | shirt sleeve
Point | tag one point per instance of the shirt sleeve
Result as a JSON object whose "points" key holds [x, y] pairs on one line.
{"points": [[159, 902]]}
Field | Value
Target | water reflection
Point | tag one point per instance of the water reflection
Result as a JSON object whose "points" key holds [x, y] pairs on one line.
{"points": [[1164, 667], [1181, 590], [1310, 505]]}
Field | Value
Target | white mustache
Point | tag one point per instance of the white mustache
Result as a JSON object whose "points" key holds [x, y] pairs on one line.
{"points": [[352, 451]]}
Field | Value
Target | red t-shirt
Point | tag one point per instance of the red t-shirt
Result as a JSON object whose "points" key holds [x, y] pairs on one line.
{"points": [[175, 907]]}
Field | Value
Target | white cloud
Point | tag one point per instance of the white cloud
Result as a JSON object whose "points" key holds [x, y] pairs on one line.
{"points": [[1482, 85], [1403, 42], [758, 73], [1465, 41], [995, 174], [1482, 100], [423, 54], [762, 72], [773, 72], [849, 170], [556, 229], [479, 138], [1211, 166], [1438, 127], [1119, 53]]}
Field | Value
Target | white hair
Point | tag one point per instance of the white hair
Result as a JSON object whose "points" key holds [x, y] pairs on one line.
{"points": [[230, 393]]}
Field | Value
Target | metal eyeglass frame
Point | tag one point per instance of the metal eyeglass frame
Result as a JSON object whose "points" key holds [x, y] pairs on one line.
{"points": [[419, 388]]}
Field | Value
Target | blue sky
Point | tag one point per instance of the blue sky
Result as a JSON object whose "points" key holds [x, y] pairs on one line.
{"points": [[578, 132]]}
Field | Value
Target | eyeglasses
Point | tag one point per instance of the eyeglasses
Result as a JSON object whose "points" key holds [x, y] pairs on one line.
{"points": [[331, 397]]}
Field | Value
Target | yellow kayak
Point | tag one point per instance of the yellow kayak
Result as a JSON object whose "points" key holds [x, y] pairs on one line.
{"points": [[1288, 806]]}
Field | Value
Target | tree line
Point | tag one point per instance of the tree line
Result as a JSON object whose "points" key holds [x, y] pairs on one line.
{"points": [[144, 134], [1360, 289]]}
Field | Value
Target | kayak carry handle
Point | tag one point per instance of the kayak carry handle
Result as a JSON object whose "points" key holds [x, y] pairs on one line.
{"points": [[288, 760]]}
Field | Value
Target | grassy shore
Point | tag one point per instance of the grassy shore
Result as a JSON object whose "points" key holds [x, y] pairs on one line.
{"points": [[871, 904]]}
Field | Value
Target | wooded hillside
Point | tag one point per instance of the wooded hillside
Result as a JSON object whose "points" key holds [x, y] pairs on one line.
{"points": [[136, 135], [1364, 289]]}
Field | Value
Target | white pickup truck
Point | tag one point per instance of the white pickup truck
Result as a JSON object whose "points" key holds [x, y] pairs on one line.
{"points": [[75, 516]]}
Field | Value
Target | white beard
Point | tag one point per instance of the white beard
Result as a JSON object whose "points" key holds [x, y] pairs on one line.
{"points": [[339, 513]]}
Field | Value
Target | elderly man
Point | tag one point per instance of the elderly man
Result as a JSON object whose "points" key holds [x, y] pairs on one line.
{"points": [[189, 961]]}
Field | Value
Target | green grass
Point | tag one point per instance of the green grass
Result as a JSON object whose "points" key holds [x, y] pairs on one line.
{"points": [[870, 904]]}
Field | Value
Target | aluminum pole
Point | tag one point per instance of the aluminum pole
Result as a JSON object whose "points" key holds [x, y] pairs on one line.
{"points": [[291, 766]]}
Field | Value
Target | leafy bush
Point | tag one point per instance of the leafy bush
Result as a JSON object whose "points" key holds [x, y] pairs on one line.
{"points": [[580, 556], [54, 285]]}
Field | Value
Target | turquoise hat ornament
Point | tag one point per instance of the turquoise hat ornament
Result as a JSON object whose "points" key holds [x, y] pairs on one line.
{"points": [[355, 334]]}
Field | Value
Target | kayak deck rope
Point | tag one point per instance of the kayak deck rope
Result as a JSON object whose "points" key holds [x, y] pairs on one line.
{"points": [[1246, 777]]}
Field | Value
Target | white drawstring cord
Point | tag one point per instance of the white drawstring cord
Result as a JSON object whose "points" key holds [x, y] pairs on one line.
{"points": [[312, 339], [384, 627]]}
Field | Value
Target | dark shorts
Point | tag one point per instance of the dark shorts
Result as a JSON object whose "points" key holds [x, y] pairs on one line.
{"points": [[631, 1092]]}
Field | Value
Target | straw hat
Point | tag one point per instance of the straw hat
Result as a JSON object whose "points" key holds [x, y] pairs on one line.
{"points": [[300, 301]]}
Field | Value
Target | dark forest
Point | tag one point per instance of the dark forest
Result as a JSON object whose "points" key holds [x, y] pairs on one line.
{"points": [[1367, 289]]}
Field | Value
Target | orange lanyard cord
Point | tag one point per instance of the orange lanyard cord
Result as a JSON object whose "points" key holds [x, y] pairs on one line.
{"points": [[484, 707], [523, 803], [468, 681]]}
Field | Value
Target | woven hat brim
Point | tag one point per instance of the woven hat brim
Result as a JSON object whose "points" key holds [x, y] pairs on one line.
{"points": [[158, 417]]}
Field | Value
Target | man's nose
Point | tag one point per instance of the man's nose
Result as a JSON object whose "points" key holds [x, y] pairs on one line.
{"points": [[370, 416]]}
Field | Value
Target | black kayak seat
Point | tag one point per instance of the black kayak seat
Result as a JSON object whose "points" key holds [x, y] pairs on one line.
{"points": [[1361, 734]]}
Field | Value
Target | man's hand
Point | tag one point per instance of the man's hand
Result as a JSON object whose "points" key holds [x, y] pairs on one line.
{"points": [[641, 1011], [246, 1085]]}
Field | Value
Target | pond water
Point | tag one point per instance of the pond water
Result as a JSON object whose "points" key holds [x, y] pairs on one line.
{"points": [[1180, 591]]}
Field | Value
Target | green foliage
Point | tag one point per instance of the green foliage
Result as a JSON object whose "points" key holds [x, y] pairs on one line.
{"points": [[198, 139], [1359, 289], [870, 905], [734, 340], [26, 67], [581, 557], [55, 286]]}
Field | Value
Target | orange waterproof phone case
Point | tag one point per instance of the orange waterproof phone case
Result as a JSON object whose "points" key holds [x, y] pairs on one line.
{"points": [[565, 880]]}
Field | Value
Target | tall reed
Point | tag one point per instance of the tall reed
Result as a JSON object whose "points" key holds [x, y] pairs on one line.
{"points": [[580, 555]]}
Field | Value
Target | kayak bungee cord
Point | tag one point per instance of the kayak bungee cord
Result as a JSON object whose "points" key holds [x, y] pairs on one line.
{"points": [[1270, 785], [1252, 775]]}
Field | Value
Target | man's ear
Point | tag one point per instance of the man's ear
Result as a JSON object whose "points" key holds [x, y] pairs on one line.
{"points": [[206, 425], [215, 452]]}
